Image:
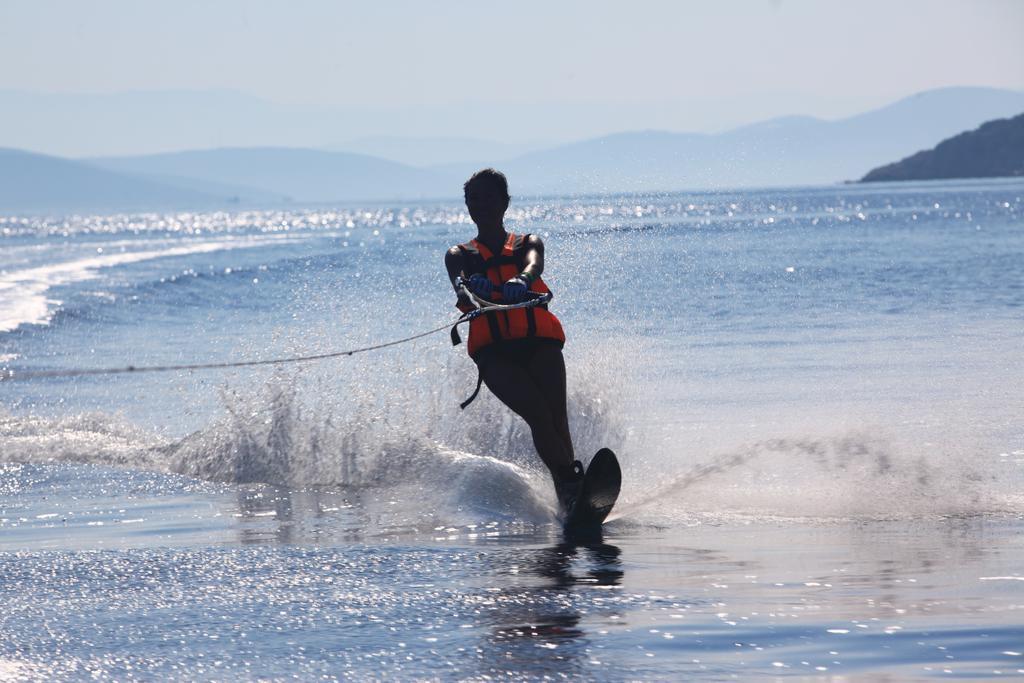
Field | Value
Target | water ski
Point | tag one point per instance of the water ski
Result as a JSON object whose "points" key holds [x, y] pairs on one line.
{"points": [[601, 484]]}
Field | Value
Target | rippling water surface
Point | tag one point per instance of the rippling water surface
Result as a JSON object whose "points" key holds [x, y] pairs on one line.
{"points": [[815, 394]]}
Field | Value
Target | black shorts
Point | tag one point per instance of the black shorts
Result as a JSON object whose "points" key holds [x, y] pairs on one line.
{"points": [[518, 351]]}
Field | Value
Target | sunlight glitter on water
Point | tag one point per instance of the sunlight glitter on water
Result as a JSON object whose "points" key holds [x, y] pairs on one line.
{"points": [[225, 591]]}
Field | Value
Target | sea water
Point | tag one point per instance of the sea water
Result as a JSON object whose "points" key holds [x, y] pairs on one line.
{"points": [[816, 395]]}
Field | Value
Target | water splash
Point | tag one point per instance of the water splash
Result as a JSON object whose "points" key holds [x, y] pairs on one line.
{"points": [[383, 427]]}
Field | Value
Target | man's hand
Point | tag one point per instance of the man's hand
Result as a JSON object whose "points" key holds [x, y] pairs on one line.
{"points": [[480, 285], [514, 290]]}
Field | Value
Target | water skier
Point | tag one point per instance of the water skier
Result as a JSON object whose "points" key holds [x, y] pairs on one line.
{"points": [[518, 352]]}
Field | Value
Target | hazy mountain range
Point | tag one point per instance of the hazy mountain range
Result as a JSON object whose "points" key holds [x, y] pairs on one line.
{"points": [[302, 175], [788, 151]]}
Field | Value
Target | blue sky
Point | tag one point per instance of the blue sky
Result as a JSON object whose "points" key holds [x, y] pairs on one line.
{"points": [[712, 64]]}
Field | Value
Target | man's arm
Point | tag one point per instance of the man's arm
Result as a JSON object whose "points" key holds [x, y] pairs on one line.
{"points": [[455, 266], [533, 259], [453, 263]]}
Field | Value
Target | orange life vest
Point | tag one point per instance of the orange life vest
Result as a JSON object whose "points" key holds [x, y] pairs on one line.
{"points": [[518, 323]]}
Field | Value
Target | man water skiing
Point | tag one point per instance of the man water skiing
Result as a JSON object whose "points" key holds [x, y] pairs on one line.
{"points": [[518, 352]]}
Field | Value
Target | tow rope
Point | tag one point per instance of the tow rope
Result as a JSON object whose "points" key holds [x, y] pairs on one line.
{"points": [[7, 375], [481, 307]]}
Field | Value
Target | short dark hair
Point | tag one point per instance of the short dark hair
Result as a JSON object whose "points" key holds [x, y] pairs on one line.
{"points": [[487, 179]]}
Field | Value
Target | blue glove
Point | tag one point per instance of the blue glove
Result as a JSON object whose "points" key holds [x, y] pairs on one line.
{"points": [[514, 290], [480, 285]]}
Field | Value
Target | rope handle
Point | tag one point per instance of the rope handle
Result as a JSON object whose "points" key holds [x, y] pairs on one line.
{"points": [[532, 298]]}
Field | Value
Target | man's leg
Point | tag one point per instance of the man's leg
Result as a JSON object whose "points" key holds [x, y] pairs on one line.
{"points": [[547, 368], [514, 386]]}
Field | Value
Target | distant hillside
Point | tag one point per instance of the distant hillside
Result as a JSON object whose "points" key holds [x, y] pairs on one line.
{"points": [[995, 149], [788, 151], [304, 175], [36, 182], [796, 150]]}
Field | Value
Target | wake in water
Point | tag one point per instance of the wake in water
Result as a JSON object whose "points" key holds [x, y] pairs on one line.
{"points": [[27, 299], [289, 433], [858, 474], [405, 440]]}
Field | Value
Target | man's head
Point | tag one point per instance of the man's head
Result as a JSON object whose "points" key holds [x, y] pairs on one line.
{"points": [[487, 197]]}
